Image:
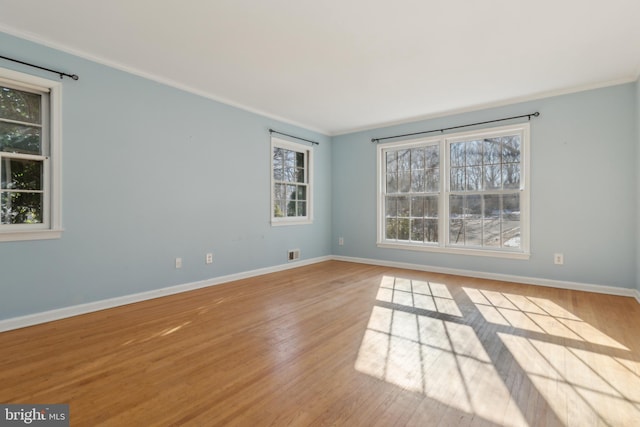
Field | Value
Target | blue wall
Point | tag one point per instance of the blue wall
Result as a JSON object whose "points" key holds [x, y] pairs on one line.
{"points": [[151, 173], [583, 187]]}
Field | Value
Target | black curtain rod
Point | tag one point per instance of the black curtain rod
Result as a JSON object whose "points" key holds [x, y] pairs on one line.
{"points": [[291, 136], [536, 114], [60, 73]]}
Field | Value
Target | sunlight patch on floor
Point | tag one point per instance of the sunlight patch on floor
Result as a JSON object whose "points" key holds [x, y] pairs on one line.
{"points": [[418, 339], [440, 359], [536, 315], [418, 294], [564, 377]]}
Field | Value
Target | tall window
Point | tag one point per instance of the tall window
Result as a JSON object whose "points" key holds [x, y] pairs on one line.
{"points": [[461, 193], [29, 157], [291, 201]]}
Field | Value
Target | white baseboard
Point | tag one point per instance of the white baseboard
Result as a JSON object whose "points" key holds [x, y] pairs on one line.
{"points": [[51, 315], [561, 284]]}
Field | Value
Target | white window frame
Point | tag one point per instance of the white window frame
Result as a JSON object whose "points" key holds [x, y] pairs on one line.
{"points": [[51, 227], [444, 142], [308, 153]]}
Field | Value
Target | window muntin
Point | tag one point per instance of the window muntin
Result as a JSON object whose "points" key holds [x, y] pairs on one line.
{"points": [[29, 157], [460, 193], [290, 182]]}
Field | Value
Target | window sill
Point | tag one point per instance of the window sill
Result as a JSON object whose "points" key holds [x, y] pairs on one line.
{"points": [[279, 222], [16, 236], [457, 251]]}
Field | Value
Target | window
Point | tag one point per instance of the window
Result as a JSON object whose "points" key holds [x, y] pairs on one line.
{"points": [[460, 193], [291, 190], [29, 157]]}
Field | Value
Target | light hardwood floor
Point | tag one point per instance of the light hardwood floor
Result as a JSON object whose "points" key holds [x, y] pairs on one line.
{"points": [[339, 343]]}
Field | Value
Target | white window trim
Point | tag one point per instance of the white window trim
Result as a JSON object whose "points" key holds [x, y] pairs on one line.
{"points": [[52, 227], [443, 245], [289, 145]]}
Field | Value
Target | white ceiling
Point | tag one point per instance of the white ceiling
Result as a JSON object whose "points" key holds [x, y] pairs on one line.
{"points": [[340, 65]]}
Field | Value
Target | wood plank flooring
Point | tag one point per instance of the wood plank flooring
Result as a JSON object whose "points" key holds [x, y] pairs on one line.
{"points": [[342, 344]]}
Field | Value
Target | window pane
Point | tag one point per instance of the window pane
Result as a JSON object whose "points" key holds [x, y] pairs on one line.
{"points": [[404, 160], [291, 208], [277, 157], [431, 207], [403, 207], [473, 220], [457, 179], [404, 182], [492, 151], [511, 221], [300, 175], [392, 182], [278, 174], [391, 228], [403, 228], [474, 153], [456, 223], [417, 230], [431, 230], [289, 158], [391, 207], [279, 208], [492, 177], [20, 208], [392, 161], [433, 181], [300, 160], [19, 105], [417, 181], [492, 221], [289, 175], [511, 149], [21, 174], [511, 175], [417, 158], [457, 151], [417, 207], [280, 191], [432, 156], [474, 178], [302, 209], [291, 192], [302, 192], [20, 138]]}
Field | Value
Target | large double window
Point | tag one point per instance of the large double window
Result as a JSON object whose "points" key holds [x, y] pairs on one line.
{"points": [[291, 201], [29, 157], [461, 193]]}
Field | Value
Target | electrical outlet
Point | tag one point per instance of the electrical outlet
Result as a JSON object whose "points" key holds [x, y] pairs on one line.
{"points": [[178, 262], [209, 259], [558, 259], [340, 241]]}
